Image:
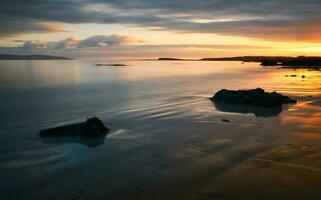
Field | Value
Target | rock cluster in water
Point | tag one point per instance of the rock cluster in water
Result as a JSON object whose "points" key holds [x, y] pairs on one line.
{"points": [[91, 128], [254, 97]]}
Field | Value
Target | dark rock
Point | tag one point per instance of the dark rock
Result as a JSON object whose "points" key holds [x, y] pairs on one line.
{"points": [[91, 128], [90, 133], [302, 76], [226, 120], [254, 97]]}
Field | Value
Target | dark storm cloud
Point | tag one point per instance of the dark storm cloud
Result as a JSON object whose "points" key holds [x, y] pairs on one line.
{"points": [[283, 19]]}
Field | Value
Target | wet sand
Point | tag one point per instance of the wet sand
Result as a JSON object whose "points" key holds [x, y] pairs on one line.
{"points": [[266, 159]]}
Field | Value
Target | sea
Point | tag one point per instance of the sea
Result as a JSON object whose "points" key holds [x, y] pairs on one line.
{"points": [[167, 139]]}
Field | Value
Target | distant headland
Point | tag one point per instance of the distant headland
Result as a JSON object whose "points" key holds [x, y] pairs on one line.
{"points": [[31, 57], [300, 61]]}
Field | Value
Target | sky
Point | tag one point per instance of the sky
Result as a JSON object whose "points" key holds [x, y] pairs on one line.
{"points": [[92, 29]]}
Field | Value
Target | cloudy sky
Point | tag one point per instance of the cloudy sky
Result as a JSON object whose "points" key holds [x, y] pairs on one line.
{"points": [[155, 28]]}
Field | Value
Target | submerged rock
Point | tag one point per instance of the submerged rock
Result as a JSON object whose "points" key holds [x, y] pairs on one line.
{"points": [[91, 128], [253, 97]]}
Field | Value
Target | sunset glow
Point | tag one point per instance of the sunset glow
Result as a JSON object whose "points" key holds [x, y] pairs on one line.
{"points": [[160, 99], [203, 29]]}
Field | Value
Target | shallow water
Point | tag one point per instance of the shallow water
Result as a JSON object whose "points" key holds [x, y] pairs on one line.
{"points": [[168, 140]]}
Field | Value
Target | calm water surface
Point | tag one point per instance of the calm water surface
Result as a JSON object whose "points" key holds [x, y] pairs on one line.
{"points": [[168, 140]]}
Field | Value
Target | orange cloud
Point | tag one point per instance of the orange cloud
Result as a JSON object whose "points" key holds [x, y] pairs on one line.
{"points": [[51, 27]]}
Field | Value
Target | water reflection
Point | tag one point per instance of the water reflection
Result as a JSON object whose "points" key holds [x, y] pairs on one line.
{"points": [[245, 159], [27, 74], [305, 120], [291, 82], [88, 142], [245, 109]]}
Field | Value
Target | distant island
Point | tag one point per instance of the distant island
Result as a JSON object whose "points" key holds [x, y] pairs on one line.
{"points": [[173, 59], [31, 57], [170, 59], [111, 65]]}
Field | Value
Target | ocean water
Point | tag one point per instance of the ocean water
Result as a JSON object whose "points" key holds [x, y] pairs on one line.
{"points": [[167, 140]]}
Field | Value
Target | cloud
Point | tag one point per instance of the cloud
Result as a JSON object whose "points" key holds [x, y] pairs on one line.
{"points": [[70, 48], [35, 44], [269, 29], [21, 26], [105, 40], [275, 20], [68, 43], [96, 41]]}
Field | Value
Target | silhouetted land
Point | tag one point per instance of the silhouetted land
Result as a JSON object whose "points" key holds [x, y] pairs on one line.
{"points": [[297, 62], [111, 65], [170, 59], [173, 59], [31, 57], [300, 61]]}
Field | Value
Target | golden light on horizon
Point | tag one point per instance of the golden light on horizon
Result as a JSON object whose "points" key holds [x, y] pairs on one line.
{"points": [[206, 28]]}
